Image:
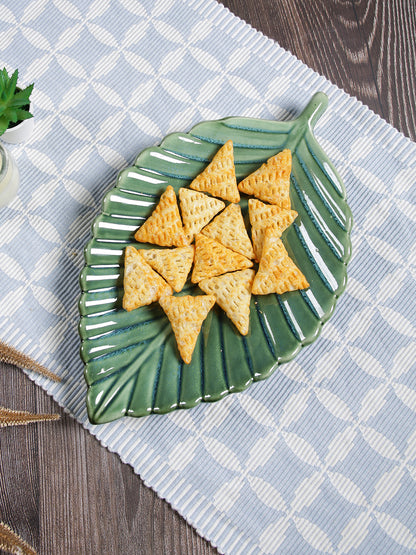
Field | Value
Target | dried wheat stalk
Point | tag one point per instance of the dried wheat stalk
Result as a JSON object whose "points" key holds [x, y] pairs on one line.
{"points": [[9, 417], [12, 543], [10, 355]]}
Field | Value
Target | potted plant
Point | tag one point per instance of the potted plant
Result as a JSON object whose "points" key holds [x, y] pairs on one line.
{"points": [[16, 121]]}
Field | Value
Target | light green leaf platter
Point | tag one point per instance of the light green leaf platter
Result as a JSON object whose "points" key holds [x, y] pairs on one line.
{"points": [[132, 365]]}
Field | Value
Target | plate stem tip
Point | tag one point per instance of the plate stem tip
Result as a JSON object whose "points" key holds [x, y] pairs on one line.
{"points": [[315, 108]]}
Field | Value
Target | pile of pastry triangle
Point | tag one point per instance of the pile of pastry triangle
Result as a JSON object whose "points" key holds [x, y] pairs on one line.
{"points": [[210, 238]]}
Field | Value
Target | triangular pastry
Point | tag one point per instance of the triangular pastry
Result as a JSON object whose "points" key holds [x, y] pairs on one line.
{"points": [[197, 210], [173, 265], [261, 215], [277, 272], [228, 228], [271, 182], [142, 285], [218, 178], [186, 315], [233, 293], [212, 259], [164, 226]]}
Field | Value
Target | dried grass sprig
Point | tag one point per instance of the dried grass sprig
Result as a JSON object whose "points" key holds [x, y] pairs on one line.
{"points": [[10, 355], [12, 543], [9, 417]]}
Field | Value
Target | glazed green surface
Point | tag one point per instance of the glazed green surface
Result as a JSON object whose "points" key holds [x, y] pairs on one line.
{"points": [[132, 366]]}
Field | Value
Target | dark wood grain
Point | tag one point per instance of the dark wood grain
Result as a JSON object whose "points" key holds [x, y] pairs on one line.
{"points": [[52, 474], [389, 30], [366, 47]]}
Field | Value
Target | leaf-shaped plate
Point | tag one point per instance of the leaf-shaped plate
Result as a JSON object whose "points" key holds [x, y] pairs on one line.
{"points": [[132, 366]]}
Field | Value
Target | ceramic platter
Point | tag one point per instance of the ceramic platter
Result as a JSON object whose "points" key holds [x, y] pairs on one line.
{"points": [[132, 366]]}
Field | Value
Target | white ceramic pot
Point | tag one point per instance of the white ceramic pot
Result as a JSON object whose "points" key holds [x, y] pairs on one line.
{"points": [[19, 133], [9, 177]]}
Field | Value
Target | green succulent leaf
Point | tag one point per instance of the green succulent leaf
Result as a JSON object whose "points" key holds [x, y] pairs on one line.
{"points": [[4, 124], [132, 366], [4, 79], [8, 85], [12, 115], [3, 82], [23, 114], [22, 97], [12, 84]]}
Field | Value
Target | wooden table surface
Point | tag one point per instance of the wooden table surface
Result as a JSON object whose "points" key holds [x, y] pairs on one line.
{"points": [[51, 475]]}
